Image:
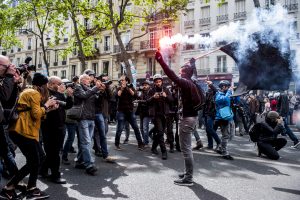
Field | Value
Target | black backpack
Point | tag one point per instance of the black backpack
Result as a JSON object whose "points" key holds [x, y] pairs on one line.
{"points": [[199, 95], [254, 133]]}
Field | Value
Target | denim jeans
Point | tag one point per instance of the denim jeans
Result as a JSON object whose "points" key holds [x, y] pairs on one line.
{"points": [[71, 129], [122, 118], [289, 132], [144, 126], [224, 125], [210, 132], [187, 126], [100, 136], [86, 132]]}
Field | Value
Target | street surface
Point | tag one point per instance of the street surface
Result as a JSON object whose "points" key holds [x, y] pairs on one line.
{"points": [[142, 176]]}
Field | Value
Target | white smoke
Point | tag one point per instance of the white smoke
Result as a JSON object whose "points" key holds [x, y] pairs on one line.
{"points": [[272, 26]]}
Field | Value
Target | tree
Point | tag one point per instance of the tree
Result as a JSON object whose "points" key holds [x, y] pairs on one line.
{"points": [[43, 13], [118, 18], [11, 20]]}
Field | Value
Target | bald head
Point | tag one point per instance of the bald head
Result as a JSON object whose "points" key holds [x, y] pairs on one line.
{"points": [[4, 63], [54, 82]]}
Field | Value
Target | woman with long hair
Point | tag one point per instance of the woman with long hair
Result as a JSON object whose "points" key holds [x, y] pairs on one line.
{"points": [[33, 104]]}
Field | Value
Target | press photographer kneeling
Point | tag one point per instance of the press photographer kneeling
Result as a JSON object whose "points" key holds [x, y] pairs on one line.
{"points": [[266, 134]]}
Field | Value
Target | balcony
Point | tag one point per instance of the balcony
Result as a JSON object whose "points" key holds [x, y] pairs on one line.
{"points": [[158, 17], [55, 63], [204, 21], [240, 15], [222, 18], [149, 44], [39, 65], [188, 47], [106, 48], [291, 7], [189, 23], [63, 62], [117, 48]]}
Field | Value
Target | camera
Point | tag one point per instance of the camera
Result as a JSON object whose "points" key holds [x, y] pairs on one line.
{"points": [[107, 83], [71, 85], [130, 85], [61, 103], [26, 67]]}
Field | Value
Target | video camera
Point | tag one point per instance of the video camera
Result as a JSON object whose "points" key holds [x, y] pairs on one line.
{"points": [[26, 67]]}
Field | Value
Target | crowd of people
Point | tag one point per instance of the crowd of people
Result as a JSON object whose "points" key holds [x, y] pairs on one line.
{"points": [[42, 119]]}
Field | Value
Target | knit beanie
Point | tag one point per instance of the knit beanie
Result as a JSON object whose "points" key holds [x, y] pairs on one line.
{"points": [[272, 115], [39, 79]]}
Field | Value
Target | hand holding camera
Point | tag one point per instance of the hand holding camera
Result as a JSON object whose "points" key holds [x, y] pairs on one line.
{"points": [[280, 121], [51, 104], [69, 91]]}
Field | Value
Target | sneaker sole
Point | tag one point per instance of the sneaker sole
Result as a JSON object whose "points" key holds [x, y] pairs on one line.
{"points": [[184, 184], [34, 198]]}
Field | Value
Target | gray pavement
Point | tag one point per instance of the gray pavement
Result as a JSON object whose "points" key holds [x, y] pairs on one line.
{"points": [[140, 175]]}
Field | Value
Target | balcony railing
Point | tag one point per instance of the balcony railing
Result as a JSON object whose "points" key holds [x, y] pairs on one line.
{"points": [[149, 44], [240, 15], [55, 63], [188, 47], [63, 62], [157, 17], [222, 18], [117, 48], [204, 21], [291, 7], [39, 65], [189, 23]]}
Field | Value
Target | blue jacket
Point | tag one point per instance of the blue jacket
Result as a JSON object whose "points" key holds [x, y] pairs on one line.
{"points": [[222, 100]]}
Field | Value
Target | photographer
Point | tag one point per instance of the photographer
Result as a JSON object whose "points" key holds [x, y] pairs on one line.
{"points": [[159, 98], [267, 132], [125, 96], [53, 129], [101, 122], [25, 134], [9, 76]]}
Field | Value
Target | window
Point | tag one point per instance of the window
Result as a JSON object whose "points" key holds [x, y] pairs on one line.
{"points": [[29, 43], [18, 61], [95, 67], [205, 12], [105, 67], [48, 56], [66, 32], [151, 68], [223, 9], [167, 31], [204, 65], [125, 37], [153, 37], [190, 15], [86, 23], [106, 43], [63, 74], [55, 56], [95, 43], [54, 73], [221, 64], [73, 70], [240, 6], [40, 58], [30, 25]]}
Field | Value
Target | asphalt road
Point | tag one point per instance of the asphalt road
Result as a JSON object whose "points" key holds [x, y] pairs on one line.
{"points": [[142, 176]]}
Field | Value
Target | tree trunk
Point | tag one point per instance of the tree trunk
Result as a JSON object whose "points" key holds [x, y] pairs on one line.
{"points": [[81, 55], [256, 3], [124, 55]]}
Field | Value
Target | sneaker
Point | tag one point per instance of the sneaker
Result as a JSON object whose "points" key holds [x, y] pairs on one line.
{"points": [[141, 147], [22, 187], [125, 141], [199, 145], [65, 161], [228, 157], [183, 182], [91, 170], [109, 159], [296, 145], [181, 176], [8, 194], [118, 148], [36, 194]]}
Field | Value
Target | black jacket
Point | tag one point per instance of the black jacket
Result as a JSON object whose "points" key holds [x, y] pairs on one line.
{"points": [[6, 89], [159, 106], [102, 102], [210, 104], [187, 88], [57, 118], [87, 96], [125, 101], [143, 107], [267, 132]]}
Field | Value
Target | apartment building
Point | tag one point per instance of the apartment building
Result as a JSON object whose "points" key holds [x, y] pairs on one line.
{"points": [[203, 18]]}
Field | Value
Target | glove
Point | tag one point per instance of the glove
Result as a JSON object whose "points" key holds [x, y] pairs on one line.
{"points": [[158, 57]]}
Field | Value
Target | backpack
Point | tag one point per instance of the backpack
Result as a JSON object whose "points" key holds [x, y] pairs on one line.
{"points": [[254, 133], [199, 96]]}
